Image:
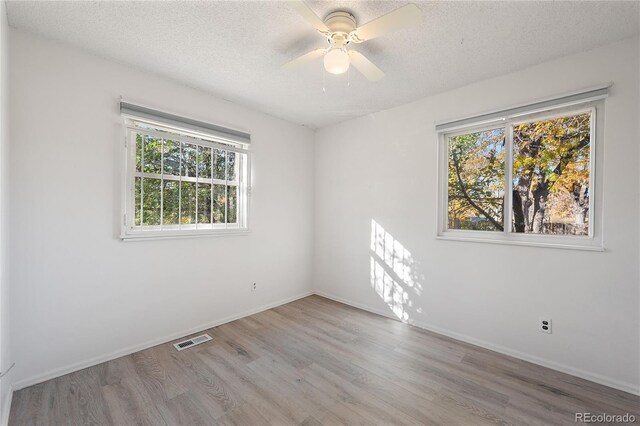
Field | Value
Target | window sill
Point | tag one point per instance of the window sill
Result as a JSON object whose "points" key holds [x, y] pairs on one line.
{"points": [[592, 245], [172, 235]]}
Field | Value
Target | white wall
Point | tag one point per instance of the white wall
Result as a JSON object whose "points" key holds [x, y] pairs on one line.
{"points": [[78, 292], [383, 167], [5, 354]]}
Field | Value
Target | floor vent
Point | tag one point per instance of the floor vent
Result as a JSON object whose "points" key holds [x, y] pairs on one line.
{"points": [[192, 342]]}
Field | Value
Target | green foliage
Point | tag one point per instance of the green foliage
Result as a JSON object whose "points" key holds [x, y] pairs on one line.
{"points": [[188, 202], [171, 200], [219, 164], [204, 162], [180, 201], [172, 155], [219, 200], [204, 203], [233, 203]]}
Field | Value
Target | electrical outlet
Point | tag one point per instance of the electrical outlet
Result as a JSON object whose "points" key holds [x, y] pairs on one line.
{"points": [[254, 286], [544, 325]]}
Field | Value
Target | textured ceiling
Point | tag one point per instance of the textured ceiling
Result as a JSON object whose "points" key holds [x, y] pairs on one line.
{"points": [[234, 49]]}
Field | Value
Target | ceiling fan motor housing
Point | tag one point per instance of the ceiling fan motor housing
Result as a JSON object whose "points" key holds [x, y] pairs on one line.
{"points": [[340, 22]]}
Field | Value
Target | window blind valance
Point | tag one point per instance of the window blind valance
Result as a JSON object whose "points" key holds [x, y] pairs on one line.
{"points": [[144, 113], [585, 95]]}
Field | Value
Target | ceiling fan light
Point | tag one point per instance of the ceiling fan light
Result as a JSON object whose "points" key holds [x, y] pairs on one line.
{"points": [[336, 61]]}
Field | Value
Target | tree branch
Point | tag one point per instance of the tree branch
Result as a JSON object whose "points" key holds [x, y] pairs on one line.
{"points": [[480, 210]]}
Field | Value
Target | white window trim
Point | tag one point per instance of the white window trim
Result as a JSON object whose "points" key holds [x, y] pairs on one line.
{"points": [[593, 242], [129, 232]]}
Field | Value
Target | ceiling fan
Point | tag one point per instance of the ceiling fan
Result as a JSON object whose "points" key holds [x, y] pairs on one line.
{"points": [[340, 29]]}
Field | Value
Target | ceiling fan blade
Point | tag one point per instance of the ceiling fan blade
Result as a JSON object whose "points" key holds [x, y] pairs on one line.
{"points": [[305, 11], [403, 17], [365, 66], [307, 57]]}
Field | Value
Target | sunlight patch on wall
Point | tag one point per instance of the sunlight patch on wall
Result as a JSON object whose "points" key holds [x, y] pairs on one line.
{"points": [[391, 271]]}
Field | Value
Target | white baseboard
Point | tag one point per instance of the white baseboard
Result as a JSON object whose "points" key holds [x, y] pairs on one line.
{"points": [[6, 406], [593, 377], [126, 351]]}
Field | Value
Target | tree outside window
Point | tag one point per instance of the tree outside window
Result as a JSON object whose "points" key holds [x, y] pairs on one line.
{"points": [[551, 174]]}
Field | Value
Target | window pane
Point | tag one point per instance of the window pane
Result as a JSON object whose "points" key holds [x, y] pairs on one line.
{"points": [[171, 199], [171, 158], [204, 203], [204, 162], [232, 212], [152, 155], [138, 152], [476, 176], [219, 160], [551, 176], [231, 166], [137, 201], [151, 201], [188, 197], [219, 203], [189, 159]]}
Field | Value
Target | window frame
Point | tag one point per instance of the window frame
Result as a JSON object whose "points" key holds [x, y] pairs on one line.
{"points": [[593, 241], [130, 231]]}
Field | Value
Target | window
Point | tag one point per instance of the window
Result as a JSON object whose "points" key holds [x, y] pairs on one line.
{"points": [[476, 180], [180, 182], [527, 179]]}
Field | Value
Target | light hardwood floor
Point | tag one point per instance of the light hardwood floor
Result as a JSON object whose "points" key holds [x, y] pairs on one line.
{"points": [[315, 361]]}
